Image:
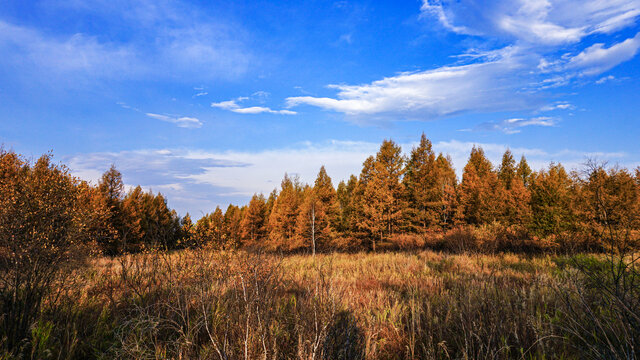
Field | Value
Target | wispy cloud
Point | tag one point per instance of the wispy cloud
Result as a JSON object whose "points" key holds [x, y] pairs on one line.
{"points": [[162, 46], [558, 105], [514, 125], [77, 53], [261, 96], [514, 77], [181, 121], [346, 38], [232, 105], [447, 90], [546, 22], [597, 59], [605, 79]]}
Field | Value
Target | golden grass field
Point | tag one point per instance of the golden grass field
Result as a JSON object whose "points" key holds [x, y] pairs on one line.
{"points": [[398, 305]]}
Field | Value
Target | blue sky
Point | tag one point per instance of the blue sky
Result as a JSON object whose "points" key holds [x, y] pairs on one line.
{"points": [[209, 102]]}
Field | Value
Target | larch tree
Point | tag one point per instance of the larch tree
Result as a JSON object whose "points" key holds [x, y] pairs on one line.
{"points": [[421, 186], [344, 199], [348, 195], [478, 194], [319, 213], [283, 217], [551, 201], [187, 233], [209, 229], [448, 209], [164, 223], [253, 224], [611, 207], [507, 169], [97, 218], [271, 200], [111, 187], [514, 196], [232, 221], [160, 225], [132, 227], [216, 228], [149, 223], [382, 201], [524, 172], [305, 231], [361, 228]]}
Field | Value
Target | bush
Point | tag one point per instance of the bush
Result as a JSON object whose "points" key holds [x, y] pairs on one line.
{"points": [[41, 238], [407, 241]]}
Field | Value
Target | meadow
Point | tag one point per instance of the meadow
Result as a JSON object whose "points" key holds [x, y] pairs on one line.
{"points": [[395, 305], [483, 271]]}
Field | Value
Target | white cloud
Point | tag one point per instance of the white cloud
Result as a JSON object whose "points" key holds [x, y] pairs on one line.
{"points": [[232, 105], [180, 121], [604, 79], [597, 59], [261, 109], [548, 22], [435, 9], [558, 105], [514, 125], [198, 180], [483, 86]]}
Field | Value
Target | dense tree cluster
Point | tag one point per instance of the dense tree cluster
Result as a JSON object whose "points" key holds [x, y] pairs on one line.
{"points": [[416, 200], [396, 201]]}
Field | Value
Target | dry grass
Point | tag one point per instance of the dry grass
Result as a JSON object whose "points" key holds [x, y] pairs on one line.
{"points": [[240, 305]]}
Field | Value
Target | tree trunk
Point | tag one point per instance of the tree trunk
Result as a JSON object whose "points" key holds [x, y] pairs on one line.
{"points": [[313, 229]]}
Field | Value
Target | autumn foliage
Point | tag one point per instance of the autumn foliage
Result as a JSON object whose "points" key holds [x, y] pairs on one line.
{"points": [[397, 201]]}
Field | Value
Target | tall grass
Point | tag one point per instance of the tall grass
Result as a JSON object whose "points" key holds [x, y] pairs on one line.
{"points": [[240, 305]]}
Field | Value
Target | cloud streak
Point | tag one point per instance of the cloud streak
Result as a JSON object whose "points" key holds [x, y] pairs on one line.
{"points": [[233, 106], [481, 87], [180, 121], [515, 125]]}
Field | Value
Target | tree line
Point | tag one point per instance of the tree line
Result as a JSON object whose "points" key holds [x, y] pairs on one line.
{"points": [[396, 201]]}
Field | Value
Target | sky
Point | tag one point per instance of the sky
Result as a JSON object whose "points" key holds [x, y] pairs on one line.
{"points": [[209, 102]]}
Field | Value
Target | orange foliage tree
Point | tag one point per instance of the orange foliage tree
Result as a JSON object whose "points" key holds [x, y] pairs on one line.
{"points": [[382, 201], [319, 213], [253, 224], [284, 214]]}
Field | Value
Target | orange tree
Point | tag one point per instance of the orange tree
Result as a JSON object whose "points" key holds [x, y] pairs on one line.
{"points": [[41, 232]]}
